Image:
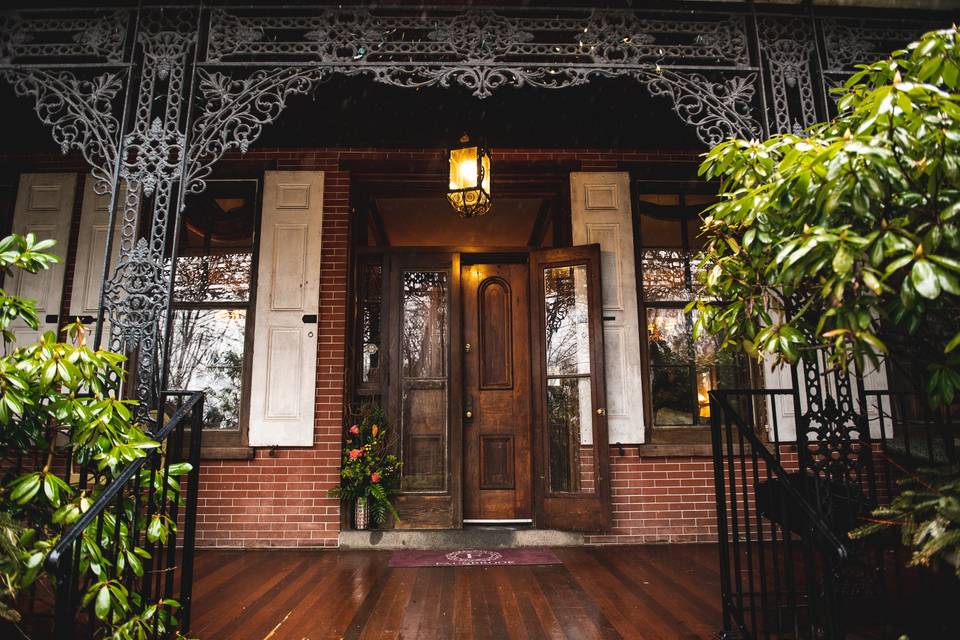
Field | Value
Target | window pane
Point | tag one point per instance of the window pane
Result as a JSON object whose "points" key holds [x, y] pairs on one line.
{"points": [[669, 348], [216, 278], [424, 335], [668, 336], [424, 326], [567, 320], [672, 395], [664, 273], [371, 292], [216, 243], [682, 372], [570, 424], [206, 354], [656, 232]]}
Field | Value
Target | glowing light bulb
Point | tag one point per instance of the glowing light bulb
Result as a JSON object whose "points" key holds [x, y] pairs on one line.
{"points": [[467, 169]]}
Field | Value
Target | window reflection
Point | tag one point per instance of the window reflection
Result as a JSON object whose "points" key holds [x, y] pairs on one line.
{"points": [[212, 298], [424, 328], [371, 287], [569, 405], [424, 343], [681, 371], [206, 353], [566, 321]]}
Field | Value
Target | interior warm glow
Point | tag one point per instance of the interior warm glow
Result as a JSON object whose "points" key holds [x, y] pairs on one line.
{"points": [[704, 384], [463, 168]]}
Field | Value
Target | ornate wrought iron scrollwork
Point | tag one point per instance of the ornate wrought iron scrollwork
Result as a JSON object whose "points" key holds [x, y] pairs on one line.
{"points": [[80, 113], [136, 294], [833, 438], [787, 48], [233, 112], [27, 37], [848, 42], [484, 50], [718, 110]]}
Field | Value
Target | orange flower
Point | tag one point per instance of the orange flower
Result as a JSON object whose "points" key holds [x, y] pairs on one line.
{"points": [[374, 477], [355, 453], [375, 430]]}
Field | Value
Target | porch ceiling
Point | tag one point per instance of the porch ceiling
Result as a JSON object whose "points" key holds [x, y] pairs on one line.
{"points": [[429, 221], [607, 113]]}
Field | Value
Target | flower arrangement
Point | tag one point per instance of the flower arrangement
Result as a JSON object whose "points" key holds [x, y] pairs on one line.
{"points": [[368, 473]]}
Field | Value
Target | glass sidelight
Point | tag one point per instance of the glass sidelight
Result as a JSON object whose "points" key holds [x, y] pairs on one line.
{"points": [[424, 353]]}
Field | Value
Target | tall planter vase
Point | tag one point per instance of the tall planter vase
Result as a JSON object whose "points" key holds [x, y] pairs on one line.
{"points": [[361, 514]]}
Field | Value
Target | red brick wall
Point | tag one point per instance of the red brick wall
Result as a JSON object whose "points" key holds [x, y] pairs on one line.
{"points": [[657, 499]]}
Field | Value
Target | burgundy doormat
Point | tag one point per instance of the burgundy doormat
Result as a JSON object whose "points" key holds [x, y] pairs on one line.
{"points": [[472, 558]]}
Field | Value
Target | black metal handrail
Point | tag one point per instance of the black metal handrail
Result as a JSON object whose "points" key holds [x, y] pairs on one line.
{"points": [[749, 433], [786, 504], [162, 569], [777, 560]]}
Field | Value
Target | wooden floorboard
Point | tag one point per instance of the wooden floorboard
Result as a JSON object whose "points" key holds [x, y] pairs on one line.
{"points": [[643, 592]]}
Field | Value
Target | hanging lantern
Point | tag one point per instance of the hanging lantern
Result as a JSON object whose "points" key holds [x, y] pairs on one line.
{"points": [[469, 191]]}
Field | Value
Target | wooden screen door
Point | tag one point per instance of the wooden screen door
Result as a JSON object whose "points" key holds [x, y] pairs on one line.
{"points": [[496, 401], [571, 450]]}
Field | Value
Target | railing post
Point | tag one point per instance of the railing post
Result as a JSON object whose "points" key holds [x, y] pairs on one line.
{"points": [[723, 541], [64, 612], [190, 517]]}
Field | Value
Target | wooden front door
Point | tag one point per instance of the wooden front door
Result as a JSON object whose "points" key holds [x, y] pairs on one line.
{"points": [[496, 393]]}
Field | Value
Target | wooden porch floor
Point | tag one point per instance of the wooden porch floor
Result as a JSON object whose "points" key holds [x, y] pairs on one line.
{"points": [[650, 592]]}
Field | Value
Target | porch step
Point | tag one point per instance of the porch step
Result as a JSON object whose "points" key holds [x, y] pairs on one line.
{"points": [[469, 538]]}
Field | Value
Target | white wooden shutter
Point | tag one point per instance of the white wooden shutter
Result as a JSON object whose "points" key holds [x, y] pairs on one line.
{"points": [[44, 207], [879, 408], [601, 212], [91, 246], [781, 409], [283, 373]]}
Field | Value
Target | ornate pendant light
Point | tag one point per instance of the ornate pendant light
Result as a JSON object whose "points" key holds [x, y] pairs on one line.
{"points": [[469, 192]]}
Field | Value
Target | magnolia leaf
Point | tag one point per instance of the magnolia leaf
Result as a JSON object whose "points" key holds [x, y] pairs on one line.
{"points": [[924, 279], [101, 606], [842, 261], [953, 344]]}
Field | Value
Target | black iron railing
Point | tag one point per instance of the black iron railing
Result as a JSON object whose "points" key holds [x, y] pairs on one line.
{"points": [[118, 528], [787, 495]]}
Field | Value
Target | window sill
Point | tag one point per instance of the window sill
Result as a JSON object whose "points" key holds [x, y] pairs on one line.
{"points": [[227, 453], [683, 449]]}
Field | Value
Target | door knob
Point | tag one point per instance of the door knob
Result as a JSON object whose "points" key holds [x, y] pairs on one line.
{"points": [[601, 411], [468, 414]]}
